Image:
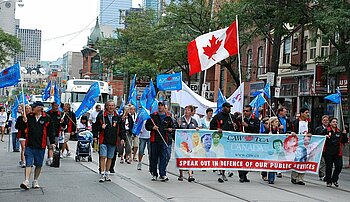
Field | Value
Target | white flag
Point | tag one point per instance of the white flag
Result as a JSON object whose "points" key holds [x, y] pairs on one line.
{"points": [[236, 99]]}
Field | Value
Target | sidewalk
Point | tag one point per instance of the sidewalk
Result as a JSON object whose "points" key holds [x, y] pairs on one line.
{"points": [[70, 182]]}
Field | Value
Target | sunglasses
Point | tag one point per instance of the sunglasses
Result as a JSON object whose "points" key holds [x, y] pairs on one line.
{"points": [[246, 111]]}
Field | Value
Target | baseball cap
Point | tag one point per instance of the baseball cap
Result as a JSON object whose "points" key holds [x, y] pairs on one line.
{"points": [[161, 103], [226, 104], [37, 104]]}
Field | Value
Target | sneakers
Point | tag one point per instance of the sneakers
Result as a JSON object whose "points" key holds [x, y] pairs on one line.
{"points": [[69, 154], [61, 156], [139, 166], [164, 178], [107, 179], [224, 177], [191, 179], [279, 175], [22, 164], [121, 160], [220, 180], [336, 184], [25, 185], [102, 178], [48, 162], [301, 183], [180, 178], [230, 174], [154, 178], [35, 184], [329, 184]]}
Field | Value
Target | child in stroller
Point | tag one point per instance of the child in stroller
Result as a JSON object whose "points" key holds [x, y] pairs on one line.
{"points": [[84, 140]]}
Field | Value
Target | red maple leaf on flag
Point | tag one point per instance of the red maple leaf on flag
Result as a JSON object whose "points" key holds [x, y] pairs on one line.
{"points": [[211, 49], [169, 78], [5, 72]]}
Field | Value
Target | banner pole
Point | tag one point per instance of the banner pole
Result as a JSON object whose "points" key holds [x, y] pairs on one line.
{"points": [[341, 114]]}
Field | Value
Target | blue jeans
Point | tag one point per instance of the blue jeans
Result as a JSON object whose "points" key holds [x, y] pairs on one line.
{"points": [[158, 152], [168, 153], [15, 141], [143, 143], [271, 176]]}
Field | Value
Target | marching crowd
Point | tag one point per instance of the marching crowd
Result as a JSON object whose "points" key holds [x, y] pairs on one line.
{"points": [[36, 130]]}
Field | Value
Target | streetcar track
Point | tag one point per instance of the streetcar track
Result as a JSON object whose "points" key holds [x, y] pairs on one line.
{"points": [[162, 197]]}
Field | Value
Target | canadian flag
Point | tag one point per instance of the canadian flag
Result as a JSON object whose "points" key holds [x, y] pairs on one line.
{"points": [[209, 49]]}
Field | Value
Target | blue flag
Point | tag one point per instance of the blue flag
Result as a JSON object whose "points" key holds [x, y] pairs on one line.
{"points": [[266, 91], [132, 86], [23, 99], [142, 116], [336, 97], [144, 97], [47, 91], [151, 95], [169, 81], [133, 100], [257, 102], [221, 100], [121, 108], [154, 106], [10, 76], [15, 109], [88, 102], [57, 98]]}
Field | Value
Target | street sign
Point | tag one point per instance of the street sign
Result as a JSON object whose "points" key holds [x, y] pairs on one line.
{"points": [[277, 92]]}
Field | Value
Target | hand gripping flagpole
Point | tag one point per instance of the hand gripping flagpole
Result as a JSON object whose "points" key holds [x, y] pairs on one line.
{"points": [[160, 134]]}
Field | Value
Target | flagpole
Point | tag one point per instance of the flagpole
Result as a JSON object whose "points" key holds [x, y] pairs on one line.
{"points": [[239, 68], [24, 105], [341, 114]]}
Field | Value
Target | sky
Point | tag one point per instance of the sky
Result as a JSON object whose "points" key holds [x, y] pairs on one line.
{"points": [[65, 24]]}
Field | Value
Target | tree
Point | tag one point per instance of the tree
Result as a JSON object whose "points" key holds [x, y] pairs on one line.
{"points": [[268, 19], [332, 18], [9, 47]]}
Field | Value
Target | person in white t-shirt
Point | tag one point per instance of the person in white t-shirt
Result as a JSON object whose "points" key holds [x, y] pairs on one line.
{"points": [[3, 119], [300, 126], [144, 139], [195, 116], [92, 120]]}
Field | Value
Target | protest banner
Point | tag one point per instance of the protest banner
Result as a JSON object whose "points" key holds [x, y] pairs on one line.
{"points": [[210, 150]]}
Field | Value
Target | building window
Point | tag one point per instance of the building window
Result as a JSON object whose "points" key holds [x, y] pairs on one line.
{"points": [[313, 42], [324, 48], [261, 68], [249, 63], [286, 51], [295, 42]]}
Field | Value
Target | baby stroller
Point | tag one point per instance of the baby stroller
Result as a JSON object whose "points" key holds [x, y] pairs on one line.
{"points": [[84, 142]]}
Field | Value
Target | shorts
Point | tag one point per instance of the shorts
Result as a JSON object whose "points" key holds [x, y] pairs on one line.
{"points": [[135, 141], [143, 143], [66, 137], [107, 150], [34, 155], [3, 124], [48, 144]]}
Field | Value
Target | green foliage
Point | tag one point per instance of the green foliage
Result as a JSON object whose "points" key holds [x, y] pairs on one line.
{"points": [[9, 47]]}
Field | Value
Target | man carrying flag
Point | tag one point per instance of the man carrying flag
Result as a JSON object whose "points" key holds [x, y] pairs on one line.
{"points": [[111, 128], [161, 125]]}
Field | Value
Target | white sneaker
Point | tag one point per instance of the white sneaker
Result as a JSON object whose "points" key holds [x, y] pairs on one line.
{"points": [[48, 162], [102, 178], [35, 184], [139, 166], [107, 179], [61, 156], [25, 185]]}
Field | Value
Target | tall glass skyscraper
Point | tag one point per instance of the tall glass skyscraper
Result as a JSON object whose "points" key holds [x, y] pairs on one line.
{"points": [[112, 12]]}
